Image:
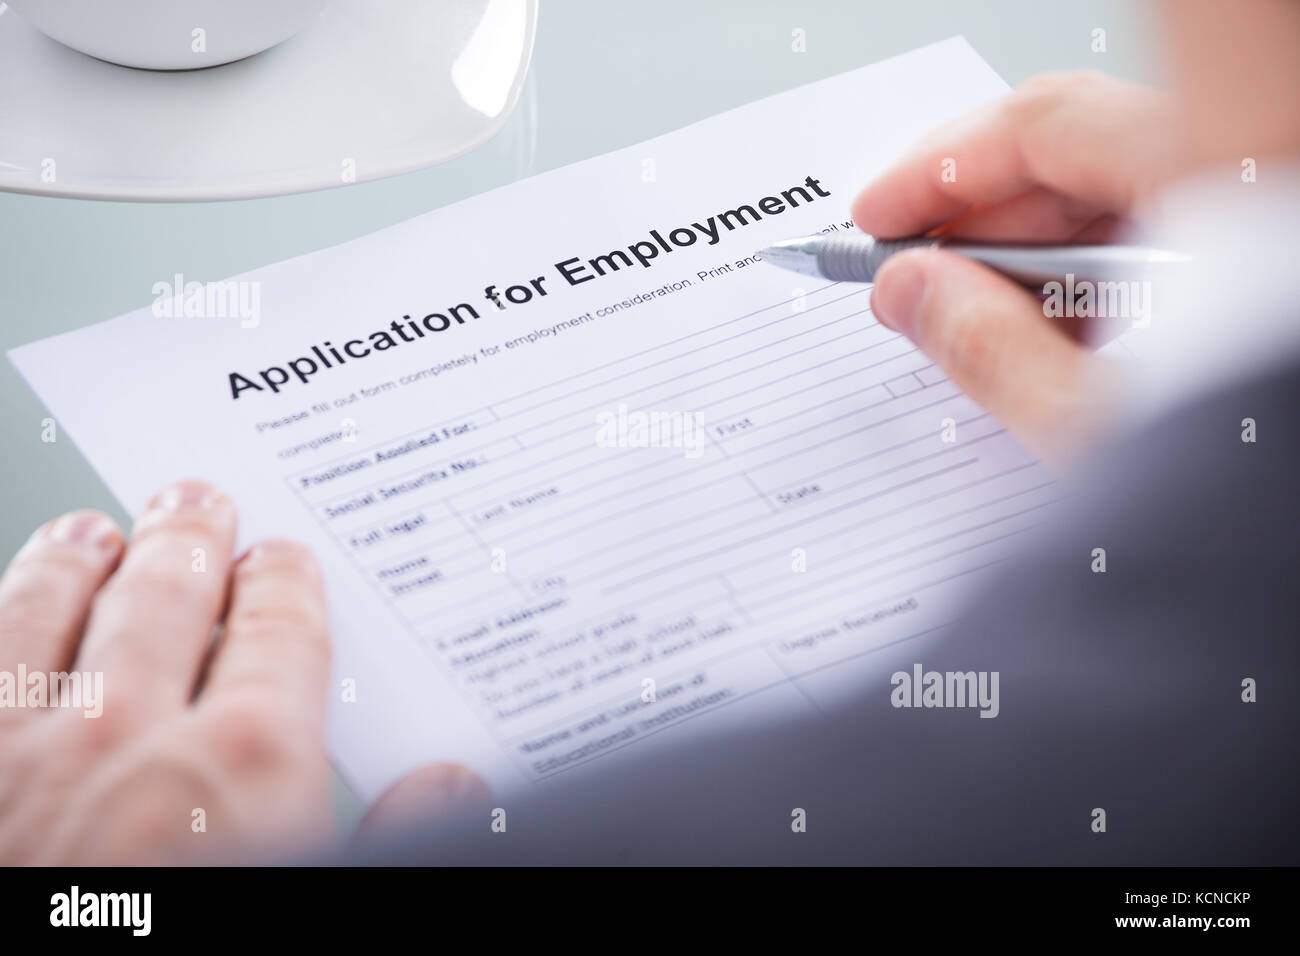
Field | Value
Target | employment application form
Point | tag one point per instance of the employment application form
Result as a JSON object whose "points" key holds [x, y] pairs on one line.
{"points": [[583, 472]]}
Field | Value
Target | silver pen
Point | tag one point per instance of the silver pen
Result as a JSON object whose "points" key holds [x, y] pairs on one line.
{"points": [[855, 257]]}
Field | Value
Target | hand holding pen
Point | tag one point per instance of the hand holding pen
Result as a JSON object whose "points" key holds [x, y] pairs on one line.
{"points": [[1020, 176]]}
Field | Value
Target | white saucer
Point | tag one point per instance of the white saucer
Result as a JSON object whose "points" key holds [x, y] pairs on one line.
{"points": [[389, 85]]}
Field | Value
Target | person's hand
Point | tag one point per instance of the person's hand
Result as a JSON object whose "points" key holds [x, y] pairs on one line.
{"points": [[194, 750], [1065, 158]]}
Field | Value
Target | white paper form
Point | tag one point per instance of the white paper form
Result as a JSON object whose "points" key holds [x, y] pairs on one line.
{"points": [[516, 581]]}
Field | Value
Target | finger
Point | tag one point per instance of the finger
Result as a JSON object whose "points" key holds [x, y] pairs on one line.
{"points": [[1037, 215], [1092, 138], [993, 341], [274, 655], [432, 791], [45, 594], [152, 624]]}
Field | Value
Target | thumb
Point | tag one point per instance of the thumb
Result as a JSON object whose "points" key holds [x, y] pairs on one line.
{"points": [[992, 340], [432, 791]]}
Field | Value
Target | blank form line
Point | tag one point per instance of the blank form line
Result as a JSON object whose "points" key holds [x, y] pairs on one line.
{"points": [[895, 573], [560, 517], [628, 582], [650, 504], [765, 587], [326, 462], [684, 355], [536, 466], [872, 519], [691, 335], [704, 368]]}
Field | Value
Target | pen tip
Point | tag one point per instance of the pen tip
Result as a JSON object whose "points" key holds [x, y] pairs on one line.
{"points": [[797, 255]]}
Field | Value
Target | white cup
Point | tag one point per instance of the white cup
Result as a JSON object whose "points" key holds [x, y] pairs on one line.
{"points": [[169, 34]]}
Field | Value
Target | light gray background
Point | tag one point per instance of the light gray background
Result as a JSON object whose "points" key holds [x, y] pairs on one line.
{"points": [[605, 75]]}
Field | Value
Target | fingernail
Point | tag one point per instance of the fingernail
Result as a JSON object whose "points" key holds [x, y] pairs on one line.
{"points": [[896, 296], [86, 528], [187, 494]]}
